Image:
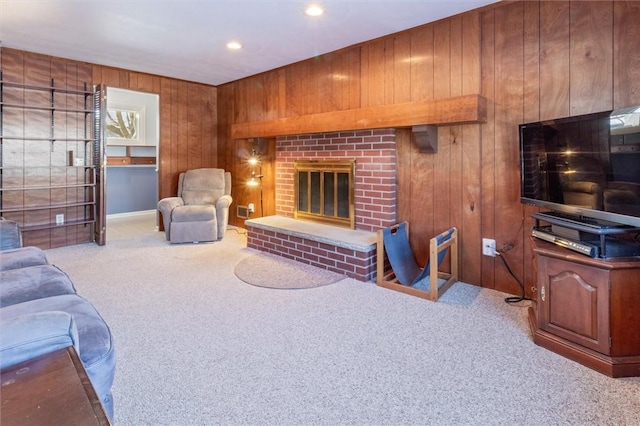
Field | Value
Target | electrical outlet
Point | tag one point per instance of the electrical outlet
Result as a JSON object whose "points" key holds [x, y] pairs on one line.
{"points": [[59, 219], [252, 208], [489, 247]]}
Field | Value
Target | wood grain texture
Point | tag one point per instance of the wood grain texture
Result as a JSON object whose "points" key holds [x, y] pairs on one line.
{"points": [[489, 145], [461, 109], [509, 52], [591, 57], [531, 113], [626, 55], [531, 61], [555, 72]]}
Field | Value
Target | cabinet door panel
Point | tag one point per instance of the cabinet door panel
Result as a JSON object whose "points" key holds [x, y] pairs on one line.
{"points": [[575, 304]]}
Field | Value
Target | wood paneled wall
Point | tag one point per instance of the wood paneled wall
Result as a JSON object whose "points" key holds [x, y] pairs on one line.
{"points": [[188, 111], [40, 163], [188, 126], [531, 60]]}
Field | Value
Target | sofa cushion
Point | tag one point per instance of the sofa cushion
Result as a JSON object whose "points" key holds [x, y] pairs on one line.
{"points": [[29, 336], [96, 349], [34, 282], [21, 258], [194, 213], [10, 235]]}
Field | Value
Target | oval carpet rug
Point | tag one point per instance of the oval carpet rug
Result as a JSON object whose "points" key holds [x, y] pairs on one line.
{"points": [[271, 271]]}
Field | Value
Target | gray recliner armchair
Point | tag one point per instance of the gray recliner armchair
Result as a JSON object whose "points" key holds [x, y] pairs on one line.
{"points": [[200, 212]]}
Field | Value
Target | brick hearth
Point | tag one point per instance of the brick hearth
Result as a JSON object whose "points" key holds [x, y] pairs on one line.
{"points": [[374, 152], [346, 251]]}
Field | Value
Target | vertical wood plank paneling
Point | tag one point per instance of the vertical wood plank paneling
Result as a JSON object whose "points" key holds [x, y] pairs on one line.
{"points": [[193, 135], [488, 153], [626, 55], [64, 125], [456, 136], [297, 83], [13, 122], [422, 63], [389, 70], [364, 80], [442, 197], [555, 75], [182, 135], [415, 169], [353, 66], [166, 171], [524, 59], [177, 147], [273, 100], [471, 173], [187, 123], [591, 57], [37, 71], [531, 113], [376, 63], [404, 175], [509, 107], [401, 72], [328, 93]]}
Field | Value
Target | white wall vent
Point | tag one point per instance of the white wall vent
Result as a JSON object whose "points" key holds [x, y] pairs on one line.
{"points": [[242, 212]]}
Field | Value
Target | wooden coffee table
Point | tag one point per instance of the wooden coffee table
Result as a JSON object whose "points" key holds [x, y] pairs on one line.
{"points": [[53, 389]]}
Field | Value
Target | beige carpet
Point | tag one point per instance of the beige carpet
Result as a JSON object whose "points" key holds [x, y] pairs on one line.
{"points": [[271, 271], [349, 353]]}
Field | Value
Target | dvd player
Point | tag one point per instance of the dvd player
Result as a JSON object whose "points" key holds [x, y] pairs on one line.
{"points": [[582, 247]]}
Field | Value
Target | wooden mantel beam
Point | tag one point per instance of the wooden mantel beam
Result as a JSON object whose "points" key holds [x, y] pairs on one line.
{"points": [[457, 110]]}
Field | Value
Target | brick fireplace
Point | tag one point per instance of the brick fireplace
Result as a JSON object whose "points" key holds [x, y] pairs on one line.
{"points": [[374, 152]]}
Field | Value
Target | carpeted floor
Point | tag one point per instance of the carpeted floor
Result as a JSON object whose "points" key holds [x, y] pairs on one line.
{"points": [[198, 346]]}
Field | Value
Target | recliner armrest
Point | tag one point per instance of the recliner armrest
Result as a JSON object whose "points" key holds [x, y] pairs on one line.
{"points": [[586, 187], [224, 201], [626, 186], [28, 336], [169, 203], [166, 206]]}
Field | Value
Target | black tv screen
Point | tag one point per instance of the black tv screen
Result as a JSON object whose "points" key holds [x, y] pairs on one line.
{"points": [[587, 166]]}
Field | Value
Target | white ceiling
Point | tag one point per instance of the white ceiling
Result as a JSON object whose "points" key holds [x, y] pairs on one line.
{"points": [[187, 39]]}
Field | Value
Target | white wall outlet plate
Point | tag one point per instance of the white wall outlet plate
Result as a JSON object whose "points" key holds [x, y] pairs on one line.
{"points": [[489, 247], [59, 219]]}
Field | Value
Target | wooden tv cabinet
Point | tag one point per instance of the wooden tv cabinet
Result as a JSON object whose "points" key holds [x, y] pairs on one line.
{"points": [[588, 310]]}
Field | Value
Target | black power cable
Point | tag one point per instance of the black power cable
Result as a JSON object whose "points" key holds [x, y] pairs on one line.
{"points": [[512, 299]]}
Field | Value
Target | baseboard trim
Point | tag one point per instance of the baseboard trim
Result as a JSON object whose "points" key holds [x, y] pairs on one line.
{"points": [[131, 214]]}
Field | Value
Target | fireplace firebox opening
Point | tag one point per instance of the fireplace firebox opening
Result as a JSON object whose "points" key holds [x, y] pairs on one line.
{"points": [[324, 191]]}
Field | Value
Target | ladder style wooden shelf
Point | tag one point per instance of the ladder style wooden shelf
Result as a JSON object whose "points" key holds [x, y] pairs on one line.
{"points": [[52, 186]]}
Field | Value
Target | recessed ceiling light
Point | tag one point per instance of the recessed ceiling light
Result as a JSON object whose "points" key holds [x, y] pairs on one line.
{"points": [[314, 10], [234, 45]]}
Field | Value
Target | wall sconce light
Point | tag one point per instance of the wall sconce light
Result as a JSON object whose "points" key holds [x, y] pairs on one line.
{"points": [[254, 159], [256, 178]]}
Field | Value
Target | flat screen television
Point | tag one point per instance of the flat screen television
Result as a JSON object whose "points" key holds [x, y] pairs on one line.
{"points": [[586, 166]]}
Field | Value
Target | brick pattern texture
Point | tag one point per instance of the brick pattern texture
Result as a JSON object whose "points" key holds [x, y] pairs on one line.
{"points": [[374, 152], [355, 264]]}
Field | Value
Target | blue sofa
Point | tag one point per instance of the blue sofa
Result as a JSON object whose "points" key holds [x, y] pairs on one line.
{"points": [[40, 312]]}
